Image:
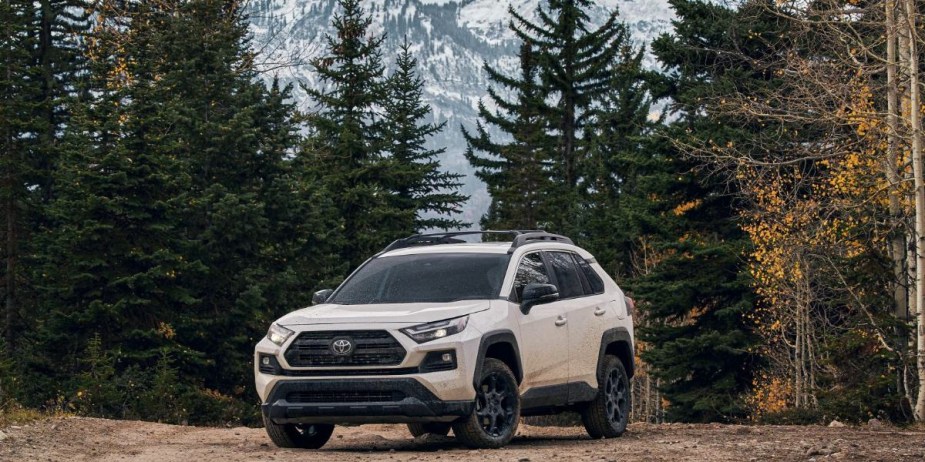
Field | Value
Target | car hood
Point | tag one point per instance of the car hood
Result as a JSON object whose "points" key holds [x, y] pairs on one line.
{"points": [[405, 313]]}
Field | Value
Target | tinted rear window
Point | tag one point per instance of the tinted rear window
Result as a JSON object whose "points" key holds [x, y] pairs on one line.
{"points": [[567, 277], [426, 278], [595, 281]]}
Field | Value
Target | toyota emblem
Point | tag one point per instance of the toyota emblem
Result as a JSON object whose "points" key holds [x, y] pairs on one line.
{"points": [[342, 346]]}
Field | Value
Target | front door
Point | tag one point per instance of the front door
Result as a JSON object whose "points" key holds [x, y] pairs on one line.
{"points": [[543, 331]]}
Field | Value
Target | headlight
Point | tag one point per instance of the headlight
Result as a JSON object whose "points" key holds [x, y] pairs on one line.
{"points": [[278, 334], [434, 330]]}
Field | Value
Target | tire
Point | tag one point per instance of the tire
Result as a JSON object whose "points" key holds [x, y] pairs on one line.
{"points": [[304, 436], [435, 428], [496, 414], [608, 414]]}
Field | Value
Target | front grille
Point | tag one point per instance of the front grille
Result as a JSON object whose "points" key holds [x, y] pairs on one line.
{"points": [[345, 396], [372, 348], [348, 372]]}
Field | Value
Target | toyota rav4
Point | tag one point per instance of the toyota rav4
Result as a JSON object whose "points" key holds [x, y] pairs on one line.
{"points": [[443, 334]]}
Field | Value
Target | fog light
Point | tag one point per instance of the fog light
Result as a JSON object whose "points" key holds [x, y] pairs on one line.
{"points": [[439, 361], [267, 364]]}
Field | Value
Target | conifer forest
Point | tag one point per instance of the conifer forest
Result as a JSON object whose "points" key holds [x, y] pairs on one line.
{"points": [[760, 192]]}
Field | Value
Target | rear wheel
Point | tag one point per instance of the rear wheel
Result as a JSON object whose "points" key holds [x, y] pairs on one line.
{"points": [[494, 420], [419, 429], [608, 414], [304, 436]]}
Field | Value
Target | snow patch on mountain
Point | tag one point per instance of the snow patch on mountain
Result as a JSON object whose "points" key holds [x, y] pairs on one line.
{"points": [[451, 40]]}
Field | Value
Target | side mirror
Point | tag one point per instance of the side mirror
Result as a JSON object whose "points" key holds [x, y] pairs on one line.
{"points": [[322, 296], [537, 294]]}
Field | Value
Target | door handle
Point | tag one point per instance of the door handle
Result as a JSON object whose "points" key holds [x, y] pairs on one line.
{"points": [[600, 311], [561, 320]]}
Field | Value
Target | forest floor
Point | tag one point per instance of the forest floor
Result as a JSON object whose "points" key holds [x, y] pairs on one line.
{"points": [[86, 439]]}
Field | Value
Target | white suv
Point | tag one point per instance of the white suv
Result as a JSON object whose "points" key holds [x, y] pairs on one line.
{"points": [[439, 334]]}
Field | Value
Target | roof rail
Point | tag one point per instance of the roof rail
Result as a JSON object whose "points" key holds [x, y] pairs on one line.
{"points": [[531, 237], [521, 237]]}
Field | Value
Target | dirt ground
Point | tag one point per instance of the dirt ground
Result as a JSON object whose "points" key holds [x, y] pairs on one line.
{"points": [[85, 439]]}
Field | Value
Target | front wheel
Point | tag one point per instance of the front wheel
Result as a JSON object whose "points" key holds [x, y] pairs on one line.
{"points": [[494, 420], [304, 436], [608, 414]]}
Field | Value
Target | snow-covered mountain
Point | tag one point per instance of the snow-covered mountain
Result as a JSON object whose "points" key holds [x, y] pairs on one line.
{"points": [[451, 39]]}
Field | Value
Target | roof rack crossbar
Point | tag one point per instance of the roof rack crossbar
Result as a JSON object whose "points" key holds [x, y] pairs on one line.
{"points": [[521, 237]]}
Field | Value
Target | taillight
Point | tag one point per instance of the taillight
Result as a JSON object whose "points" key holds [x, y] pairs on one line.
{"points": [[630, 306]]}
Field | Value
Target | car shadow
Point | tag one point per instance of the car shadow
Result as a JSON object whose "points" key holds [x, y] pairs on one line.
{"points": [[438, 443]]}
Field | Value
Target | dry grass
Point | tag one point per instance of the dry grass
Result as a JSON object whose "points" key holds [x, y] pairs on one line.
{"points": [[14, 414]]}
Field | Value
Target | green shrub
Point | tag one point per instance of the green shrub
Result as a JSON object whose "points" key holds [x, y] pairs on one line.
{"points": [[98, 388], [9, 381], [159, 400], [210, 407]]}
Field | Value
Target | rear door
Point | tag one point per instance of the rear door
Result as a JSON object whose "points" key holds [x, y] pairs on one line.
{"points": [[586, 312]]}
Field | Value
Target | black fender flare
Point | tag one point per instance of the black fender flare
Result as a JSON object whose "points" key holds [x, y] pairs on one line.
{"points": [[495, 337], [614, 336]]}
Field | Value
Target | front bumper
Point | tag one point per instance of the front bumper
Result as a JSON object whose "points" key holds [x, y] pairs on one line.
{"points": [[339, 401], [446, 386]]}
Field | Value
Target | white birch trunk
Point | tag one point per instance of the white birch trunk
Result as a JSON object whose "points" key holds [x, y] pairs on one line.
{"points": [[891, 166], [915, 132]]}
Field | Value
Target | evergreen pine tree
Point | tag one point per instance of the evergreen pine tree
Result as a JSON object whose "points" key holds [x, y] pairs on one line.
{"points": [[570, 66], [111, 261], [58, 29], [41, 61], [234, 137], [575, 63], [625, 169], [182, 224], [345, 146], [428, 196], [18, 86], [517, 173], [698, 296]]}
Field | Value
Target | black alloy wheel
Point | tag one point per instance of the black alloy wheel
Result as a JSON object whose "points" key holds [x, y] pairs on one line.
{"points": [[615, 393], [305, 436], [496, 414], [607, 415], [494, 405]]}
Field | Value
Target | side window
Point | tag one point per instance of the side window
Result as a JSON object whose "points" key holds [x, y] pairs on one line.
{"points": [[531, 271], [595, 281], [566, 275]]}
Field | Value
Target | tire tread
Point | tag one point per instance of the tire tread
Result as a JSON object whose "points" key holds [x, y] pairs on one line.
{"points": [[469, 431], [594, 416], [285, 436]]}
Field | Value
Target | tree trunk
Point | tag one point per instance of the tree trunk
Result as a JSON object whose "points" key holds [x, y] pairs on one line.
{"points": [[891, 166], [798, 359], [915, 132], [10, 231], [658, 401]]}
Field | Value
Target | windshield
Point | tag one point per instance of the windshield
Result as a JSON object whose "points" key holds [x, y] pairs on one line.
{"points": [[428, 278]]}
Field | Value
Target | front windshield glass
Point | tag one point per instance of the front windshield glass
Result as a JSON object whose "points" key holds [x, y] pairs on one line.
{"points": [[425, 278]]}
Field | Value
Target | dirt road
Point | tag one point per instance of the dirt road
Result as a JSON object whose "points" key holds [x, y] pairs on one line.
{"points": [[84, 439]]}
